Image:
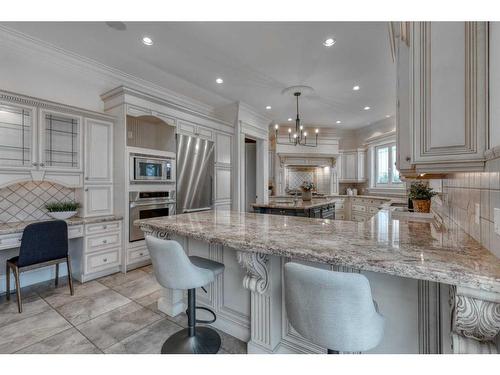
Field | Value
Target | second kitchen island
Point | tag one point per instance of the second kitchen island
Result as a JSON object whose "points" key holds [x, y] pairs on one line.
{"points": [[323, 208]]}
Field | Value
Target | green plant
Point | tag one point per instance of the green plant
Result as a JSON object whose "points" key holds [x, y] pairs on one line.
{"points": [[62, 206], [307, 186], [420, 191]]}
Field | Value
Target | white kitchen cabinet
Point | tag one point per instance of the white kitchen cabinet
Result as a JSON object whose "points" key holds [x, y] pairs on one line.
{"points": [[60, 141], [223, 148], [192, 129], [97, 200], [17, 136], [447, 111], [222, 184], [98, 151], [352, 165]]}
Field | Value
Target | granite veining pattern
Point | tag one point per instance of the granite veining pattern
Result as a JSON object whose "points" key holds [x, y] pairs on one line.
{"points": [[417, 250], [18, 226]]}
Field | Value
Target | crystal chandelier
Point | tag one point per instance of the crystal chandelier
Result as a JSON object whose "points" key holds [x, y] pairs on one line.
{"points": [[299, 137]]}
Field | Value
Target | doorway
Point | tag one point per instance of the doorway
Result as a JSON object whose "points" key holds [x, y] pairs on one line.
{"points": [[250, 173]]}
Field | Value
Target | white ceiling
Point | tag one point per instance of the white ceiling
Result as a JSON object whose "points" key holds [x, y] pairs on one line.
{"points": [[256, 61]]}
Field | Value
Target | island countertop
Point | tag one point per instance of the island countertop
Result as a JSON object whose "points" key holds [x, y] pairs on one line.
{"points": [[418, 250]]}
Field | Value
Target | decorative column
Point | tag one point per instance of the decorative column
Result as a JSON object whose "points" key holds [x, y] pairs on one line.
{"points": [[263, 279], [475, 321], [171, 300]]}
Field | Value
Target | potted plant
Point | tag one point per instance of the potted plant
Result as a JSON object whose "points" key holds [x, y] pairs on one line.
{"points": [[420, 195], [62, 210], [307, 187]]}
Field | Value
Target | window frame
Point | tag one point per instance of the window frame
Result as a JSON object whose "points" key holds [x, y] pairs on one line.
{"points": [[391, 167]]}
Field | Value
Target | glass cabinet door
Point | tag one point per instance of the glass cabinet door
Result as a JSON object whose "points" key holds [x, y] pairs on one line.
{"points": [[16, 136], [60, 147]]}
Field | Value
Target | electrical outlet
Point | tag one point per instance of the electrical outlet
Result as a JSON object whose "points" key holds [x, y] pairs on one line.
{"points": [[496, 218], [477, 213]]}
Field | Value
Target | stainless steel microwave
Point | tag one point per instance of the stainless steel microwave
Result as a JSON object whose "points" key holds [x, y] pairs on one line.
{"points": [[145, 168]]}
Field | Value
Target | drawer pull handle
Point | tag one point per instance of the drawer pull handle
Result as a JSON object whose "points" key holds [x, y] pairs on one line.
{"points": [[104, 227], [141, 254], [105, 260], [104, 241]]}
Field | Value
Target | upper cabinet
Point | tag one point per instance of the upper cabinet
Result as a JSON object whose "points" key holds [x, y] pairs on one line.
{"points": [[98, 151], [351, 165], [60, 141], [442, 97], [16, 136]]}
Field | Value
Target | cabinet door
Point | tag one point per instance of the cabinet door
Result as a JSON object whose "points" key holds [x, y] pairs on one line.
{"points": [[449, 91], [223, 149], [349, 166], [16, 137], [361, 170], [98, 151], [60, 141], [98, 200]]}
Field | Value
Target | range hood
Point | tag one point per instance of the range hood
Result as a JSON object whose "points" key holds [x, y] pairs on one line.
{"points": [[307, 161]]}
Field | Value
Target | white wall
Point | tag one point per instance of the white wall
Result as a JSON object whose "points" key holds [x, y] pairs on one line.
{"points": [[494, 84], [377, 128]]}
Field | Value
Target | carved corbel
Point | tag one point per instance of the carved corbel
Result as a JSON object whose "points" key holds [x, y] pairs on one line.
{"points": [[148, 231], [475, 320], [257, 272]]}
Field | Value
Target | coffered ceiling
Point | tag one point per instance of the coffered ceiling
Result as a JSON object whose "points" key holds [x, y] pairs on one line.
{"points": [[255, 60]]}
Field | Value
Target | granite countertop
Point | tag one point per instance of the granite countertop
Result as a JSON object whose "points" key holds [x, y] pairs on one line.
{"points": [[18, 226], [299, 205], [418, 250]]}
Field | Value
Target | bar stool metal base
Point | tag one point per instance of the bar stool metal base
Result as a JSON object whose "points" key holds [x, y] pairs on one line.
{"points": [[206, 341]]}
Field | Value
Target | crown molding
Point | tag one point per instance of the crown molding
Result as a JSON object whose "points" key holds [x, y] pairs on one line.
{"points": [[249, 115], [33, 46]]}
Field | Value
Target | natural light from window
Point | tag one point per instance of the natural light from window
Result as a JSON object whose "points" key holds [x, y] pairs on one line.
{"points": [[386, 173]]}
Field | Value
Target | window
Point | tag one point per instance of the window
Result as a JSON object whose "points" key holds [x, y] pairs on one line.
{"points": [[386, 173]]}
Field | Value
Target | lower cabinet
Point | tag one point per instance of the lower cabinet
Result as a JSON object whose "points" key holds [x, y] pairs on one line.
{"points": [[100, 253], [97, 200]]}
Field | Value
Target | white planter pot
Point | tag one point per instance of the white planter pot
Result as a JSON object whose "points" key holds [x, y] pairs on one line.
{"points": [[62, 215]]}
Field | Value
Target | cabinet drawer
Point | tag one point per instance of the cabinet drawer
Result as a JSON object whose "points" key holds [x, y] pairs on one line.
{"points": [[358, 207], [339, 216], [372, 210], [359, 218], [103, 241], [102, 227], [138, 255], [100, 261], [75, 231], [339, 206]]}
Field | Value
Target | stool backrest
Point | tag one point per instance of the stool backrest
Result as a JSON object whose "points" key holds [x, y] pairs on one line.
{"points": [[43, 242], [332, 309], [172, 266]]}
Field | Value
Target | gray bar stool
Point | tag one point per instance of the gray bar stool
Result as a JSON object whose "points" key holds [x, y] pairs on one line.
{"points": [[175, 270], [332, 309]]}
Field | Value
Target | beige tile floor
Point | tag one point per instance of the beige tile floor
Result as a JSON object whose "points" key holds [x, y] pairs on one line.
{"points": [[114, 314]]}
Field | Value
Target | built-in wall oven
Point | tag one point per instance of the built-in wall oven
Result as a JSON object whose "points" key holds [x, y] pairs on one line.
{"points": [[147, 205], [144, 168]]}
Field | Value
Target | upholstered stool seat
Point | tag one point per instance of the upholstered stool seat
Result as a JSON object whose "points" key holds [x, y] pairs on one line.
{"points": [[334, 310], [175, 270]]}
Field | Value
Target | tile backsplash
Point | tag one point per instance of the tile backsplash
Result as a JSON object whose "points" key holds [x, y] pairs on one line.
{"points": [[465, 195], [25, 201]]}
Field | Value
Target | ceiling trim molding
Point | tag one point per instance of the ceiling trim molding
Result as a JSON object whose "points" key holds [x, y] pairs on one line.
{"points": [[32, 46], [249, 115]]}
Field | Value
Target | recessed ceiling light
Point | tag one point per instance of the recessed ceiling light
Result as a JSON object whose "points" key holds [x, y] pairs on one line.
{"points": [[387, 116], [147, 41], [355, 88], [268, 107], [329, 42], [338, 121], [366, 108], [219, 80], [290, 119]]}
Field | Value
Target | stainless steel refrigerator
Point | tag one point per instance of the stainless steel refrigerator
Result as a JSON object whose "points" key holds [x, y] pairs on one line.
{"points": [[195, 174]]}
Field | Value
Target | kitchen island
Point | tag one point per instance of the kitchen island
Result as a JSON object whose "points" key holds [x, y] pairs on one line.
{"points": [[316, 208], [411, 267]]}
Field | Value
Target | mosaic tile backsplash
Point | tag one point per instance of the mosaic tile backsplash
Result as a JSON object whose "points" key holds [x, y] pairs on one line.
{"points": [[25, 201], [462, 192]]}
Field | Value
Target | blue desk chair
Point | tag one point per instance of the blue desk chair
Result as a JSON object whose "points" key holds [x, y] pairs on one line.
{"points": [[43, 244]]}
